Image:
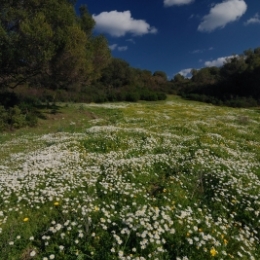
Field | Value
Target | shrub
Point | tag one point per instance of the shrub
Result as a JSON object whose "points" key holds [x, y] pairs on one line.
{"points": [[17, 117], [132, 96]]}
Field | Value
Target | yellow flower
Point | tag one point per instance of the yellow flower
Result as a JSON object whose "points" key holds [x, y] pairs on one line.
{"points": [[213, 251], [25, 219], [96, 208], [56, 203]]}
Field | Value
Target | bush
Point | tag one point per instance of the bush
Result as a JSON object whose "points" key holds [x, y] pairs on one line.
{"points": [[16, 117], [149, 95], [132, 96], [161, 96]]}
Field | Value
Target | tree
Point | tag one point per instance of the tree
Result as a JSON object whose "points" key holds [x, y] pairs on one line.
{"points": [[46, 43], [101, 56], [117, 74], [205, 76], [178, 78], [160, 77]]}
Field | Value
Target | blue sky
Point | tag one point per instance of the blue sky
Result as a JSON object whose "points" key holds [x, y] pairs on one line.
{"points": [[176, 35]]}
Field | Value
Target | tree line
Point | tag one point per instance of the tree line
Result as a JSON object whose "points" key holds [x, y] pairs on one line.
{"points": [[236, 83]]}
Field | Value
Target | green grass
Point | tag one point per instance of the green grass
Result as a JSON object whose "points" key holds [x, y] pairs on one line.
{"points": [[150, 180]]}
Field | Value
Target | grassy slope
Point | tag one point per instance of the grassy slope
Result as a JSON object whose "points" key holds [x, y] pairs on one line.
{"points": [[161, 180]]}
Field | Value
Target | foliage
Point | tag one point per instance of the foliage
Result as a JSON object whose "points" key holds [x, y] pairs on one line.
{"points": [[47, 44], [236, 83], [17, 117]]}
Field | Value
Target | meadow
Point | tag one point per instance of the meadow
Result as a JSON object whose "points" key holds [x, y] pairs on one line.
{"points": [[161, 180]]}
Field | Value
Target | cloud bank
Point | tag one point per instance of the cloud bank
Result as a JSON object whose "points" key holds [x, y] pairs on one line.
{"points": [[254, 20], [120, 23], [218, 62], [176, 2], [222, 14]]}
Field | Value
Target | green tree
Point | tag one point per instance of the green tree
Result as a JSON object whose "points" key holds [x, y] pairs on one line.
{"points": [[101, 56], [160, 77], [46, 43], [117, 74]]}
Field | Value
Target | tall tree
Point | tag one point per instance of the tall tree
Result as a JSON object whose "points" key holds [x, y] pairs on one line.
{"points": [[46, 43]]}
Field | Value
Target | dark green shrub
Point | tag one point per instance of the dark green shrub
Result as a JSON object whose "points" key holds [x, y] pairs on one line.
{"points": [[149, 96], [15, 117], [132, 96], [31, 119], [120, 96], [101, 98], [161, 96]]}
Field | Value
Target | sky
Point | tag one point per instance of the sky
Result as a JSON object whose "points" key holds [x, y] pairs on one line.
{"points": [[176, 36]]}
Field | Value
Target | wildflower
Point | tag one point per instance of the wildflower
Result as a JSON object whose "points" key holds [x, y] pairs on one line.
{"points": [[213, 251], [52, 256], [25, 219], [56, 203], [33, 253], [31, 238]]}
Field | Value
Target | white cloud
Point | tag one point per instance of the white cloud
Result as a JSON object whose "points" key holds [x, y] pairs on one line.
{"points": [[218, 62], [222, 14], [112, 47], [119, 23], [253, 20], [116, 47], [186, 72], [177, 2], [122, 48]]}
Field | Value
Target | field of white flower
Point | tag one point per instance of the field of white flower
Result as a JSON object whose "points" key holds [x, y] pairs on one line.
{"points": [[164, 180]]}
